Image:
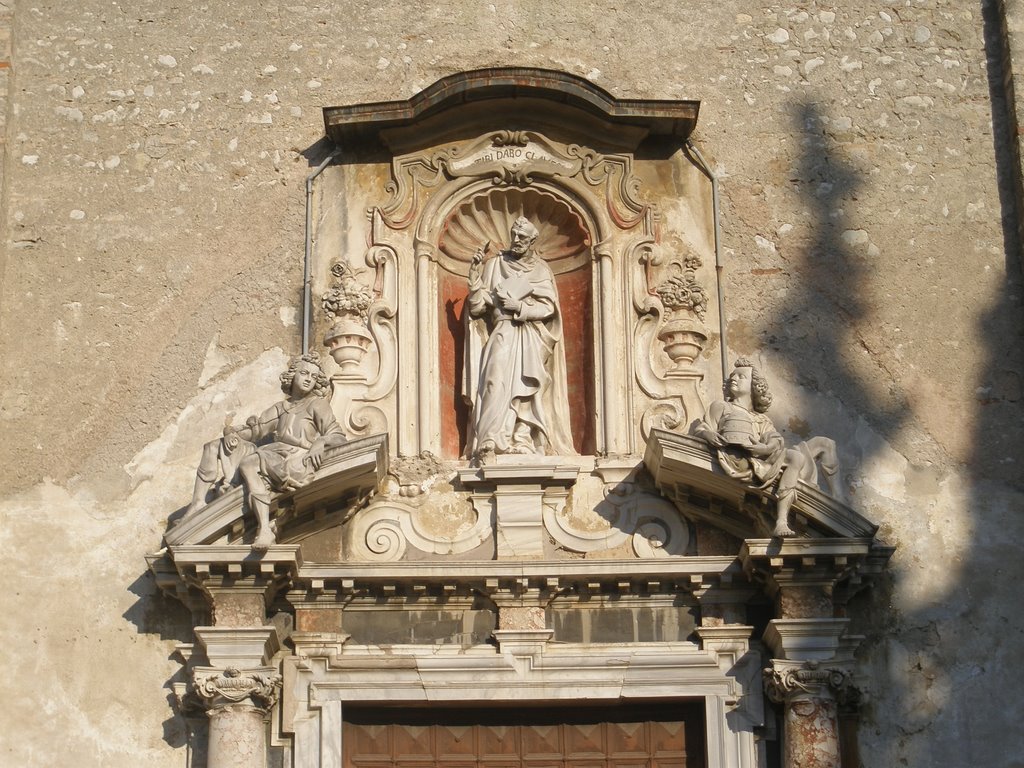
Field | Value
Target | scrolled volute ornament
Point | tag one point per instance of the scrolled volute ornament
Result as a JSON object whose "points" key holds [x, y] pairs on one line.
{"points": [[809, 678], [259, 688]]}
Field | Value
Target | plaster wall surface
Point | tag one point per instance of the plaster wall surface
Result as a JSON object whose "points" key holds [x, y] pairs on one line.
{"points": [[152, 210]]}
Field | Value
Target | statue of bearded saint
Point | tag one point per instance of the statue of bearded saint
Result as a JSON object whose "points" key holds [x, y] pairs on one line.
{"points": [[514, 377]]}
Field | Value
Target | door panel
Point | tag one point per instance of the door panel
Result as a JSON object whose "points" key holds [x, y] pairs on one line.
{"points": [[666, 735]]}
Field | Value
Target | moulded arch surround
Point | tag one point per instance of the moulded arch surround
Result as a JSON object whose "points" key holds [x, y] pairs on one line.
{"points": [[612, 433], [449, 197], [443, 202], [563, 240]]}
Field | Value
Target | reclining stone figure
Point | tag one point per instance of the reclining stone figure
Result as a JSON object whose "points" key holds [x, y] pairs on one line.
{"points": [[275, 452], [749, 448]]}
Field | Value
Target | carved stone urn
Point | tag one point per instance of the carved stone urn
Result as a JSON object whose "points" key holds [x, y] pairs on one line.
{"points": [[347, 342], [347, 302], [684, 338], [683, 333]]}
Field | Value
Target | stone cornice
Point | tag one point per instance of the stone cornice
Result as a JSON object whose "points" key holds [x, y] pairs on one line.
{"points": [[362, 122], [193, 573], [813, 562], [682, 574]]}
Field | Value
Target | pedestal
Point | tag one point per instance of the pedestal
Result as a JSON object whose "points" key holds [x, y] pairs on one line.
{"points": [[515, 490]]}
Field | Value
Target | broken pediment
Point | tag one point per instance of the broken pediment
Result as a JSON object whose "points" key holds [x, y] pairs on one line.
{"points": [[686, 471], [512, 280], [349, 475]]}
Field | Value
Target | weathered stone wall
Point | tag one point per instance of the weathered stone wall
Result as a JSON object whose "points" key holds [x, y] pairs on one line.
{"points": [[153, 175]]}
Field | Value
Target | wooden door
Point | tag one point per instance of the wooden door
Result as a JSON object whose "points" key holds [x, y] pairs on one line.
{"points": [[662, 736]]}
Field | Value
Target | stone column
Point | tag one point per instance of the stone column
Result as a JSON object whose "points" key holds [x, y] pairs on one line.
{"points": [[235, 683], [238, 691], [808, 693], [812, 652], [237, 703], [812, 665]]}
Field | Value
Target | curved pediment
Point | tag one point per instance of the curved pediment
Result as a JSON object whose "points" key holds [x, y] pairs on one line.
{"points": [[493, 89], [686, 471]]}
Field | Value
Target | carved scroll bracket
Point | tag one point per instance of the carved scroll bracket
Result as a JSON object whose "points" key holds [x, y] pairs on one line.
{"points": [[384, 532], [625, 513]]}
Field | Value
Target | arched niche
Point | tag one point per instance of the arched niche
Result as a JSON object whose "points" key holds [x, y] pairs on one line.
{"points": [[462, 219], [618, 203], [482, 219]]}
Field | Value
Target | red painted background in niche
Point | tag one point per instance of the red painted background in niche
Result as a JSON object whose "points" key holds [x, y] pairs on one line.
{"points": [[574, 296]]}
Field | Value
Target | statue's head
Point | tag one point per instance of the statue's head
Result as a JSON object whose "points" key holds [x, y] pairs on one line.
{"points": [[307, 367], [523, 236], [746, 378]]}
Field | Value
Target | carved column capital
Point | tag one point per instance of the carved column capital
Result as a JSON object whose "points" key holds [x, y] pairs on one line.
{"points": [[788, 680], [218, 689]]}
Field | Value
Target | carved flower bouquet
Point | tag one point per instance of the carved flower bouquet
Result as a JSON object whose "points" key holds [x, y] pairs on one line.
{"points": [[686, 304], [347, 302]]}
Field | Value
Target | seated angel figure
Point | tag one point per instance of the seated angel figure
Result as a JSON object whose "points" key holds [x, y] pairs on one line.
{"points": [[277, 451], [749, 448]]}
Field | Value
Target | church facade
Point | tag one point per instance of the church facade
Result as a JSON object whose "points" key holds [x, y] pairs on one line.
{"points": [[500, 390]]}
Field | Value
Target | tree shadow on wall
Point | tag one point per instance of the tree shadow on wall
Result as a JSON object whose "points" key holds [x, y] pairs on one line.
{"points": [[924, 673], [815, 334]]}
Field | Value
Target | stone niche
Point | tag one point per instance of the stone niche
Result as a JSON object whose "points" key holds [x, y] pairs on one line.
{"points": [[602, 557], [621, 212]]}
